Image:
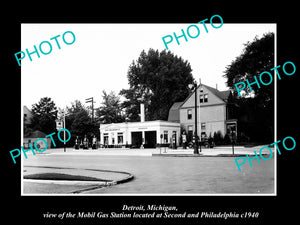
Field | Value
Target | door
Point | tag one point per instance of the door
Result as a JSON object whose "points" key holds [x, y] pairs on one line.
{"points": [[136, 139], [150, 139]]}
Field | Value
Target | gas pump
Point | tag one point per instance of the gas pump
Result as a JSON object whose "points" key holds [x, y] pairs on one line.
{"points": [[76, 143], [94, 142], [174, 145]]}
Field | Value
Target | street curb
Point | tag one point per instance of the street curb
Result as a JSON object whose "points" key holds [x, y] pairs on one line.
{"points": [[201, 155], [107, 184], [96, 184], [177, 155]]}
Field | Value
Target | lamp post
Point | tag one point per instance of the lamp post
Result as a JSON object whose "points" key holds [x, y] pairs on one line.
{"points": [[61, 123], [100, 118], [64, 131], [193, 87]]}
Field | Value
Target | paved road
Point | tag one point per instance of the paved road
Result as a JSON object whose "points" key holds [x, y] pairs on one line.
{"points": [[165, 175]]}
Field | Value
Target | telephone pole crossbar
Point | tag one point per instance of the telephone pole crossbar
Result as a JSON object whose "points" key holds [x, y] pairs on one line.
{"points": [[92, 101]]}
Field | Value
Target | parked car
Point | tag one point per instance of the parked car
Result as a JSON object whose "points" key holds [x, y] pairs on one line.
{"points": [[204, 142]]}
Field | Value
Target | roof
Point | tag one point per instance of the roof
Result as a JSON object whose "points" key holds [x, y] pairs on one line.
{"points": [[174, 112], [25, 108], [138, 125], [221, 94], [36, 134]]}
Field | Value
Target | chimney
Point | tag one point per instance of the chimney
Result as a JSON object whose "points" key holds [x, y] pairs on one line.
{"points": [[216, 86], [142, 112]]}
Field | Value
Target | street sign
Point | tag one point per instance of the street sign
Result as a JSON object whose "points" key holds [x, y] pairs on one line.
{"points": [[59, 124]]}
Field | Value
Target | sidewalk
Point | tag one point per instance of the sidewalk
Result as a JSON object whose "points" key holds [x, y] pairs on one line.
{"points": [[225, 151], [222, 151], [100, 151]]}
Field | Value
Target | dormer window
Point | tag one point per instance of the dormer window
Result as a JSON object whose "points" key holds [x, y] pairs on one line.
{"points": [[203, 98], [189, 114]]}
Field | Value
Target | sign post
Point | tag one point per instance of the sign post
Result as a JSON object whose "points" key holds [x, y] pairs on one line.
{"points": [[233, 138], [61, 124], [64, 131], [161, 138]]}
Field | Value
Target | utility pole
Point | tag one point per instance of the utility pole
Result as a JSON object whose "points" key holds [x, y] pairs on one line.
{"points": [[196, 123], [193, 87], [64, 131], [61, 124], [92, 101], [201, 90]]}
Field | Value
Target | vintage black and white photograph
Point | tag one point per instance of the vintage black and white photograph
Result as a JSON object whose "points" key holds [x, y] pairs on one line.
{"points": [[149, 108]]}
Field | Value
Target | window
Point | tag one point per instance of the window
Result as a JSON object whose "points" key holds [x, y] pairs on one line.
{"points": [[189, 114], [231, 127], [105, 138], [203, 98], [112, 138], [174, 137], [120, 138], [165, 136]]}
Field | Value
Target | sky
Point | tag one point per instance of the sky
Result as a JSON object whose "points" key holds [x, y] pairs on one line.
{"points": [[101, 54]]}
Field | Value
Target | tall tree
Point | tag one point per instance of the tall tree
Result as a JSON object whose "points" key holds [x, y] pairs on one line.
{"points": [[257, 57], [110, 110], [44, 115], [75, 107], [82, 124], [158, 79], [79, 122], [72, 114]]}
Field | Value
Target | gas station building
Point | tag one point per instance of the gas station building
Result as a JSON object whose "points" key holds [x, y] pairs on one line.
{"points": [[145, 134]]}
